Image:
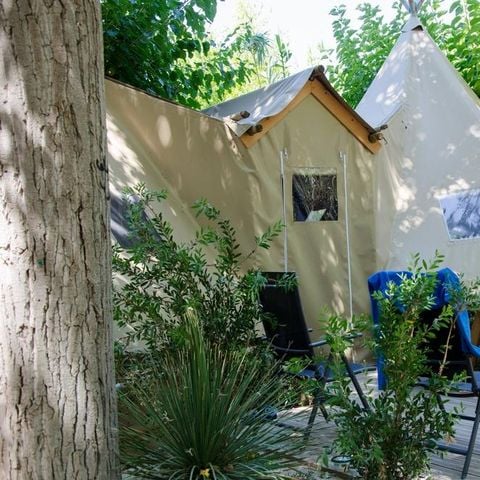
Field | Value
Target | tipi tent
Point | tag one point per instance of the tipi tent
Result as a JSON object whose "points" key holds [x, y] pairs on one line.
{"points": [[302, 156], [428, 173]]}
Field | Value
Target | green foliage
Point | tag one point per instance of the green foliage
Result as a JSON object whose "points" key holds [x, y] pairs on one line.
{"points": [[267, 54], [162, 47], [271, 66], [461, 40], [278, 68], [166, 279], [467, 297], [393, 439], [202, 415], [362, 51]]}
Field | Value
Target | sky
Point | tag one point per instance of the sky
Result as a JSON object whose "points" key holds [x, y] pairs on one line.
{"points": [[301, 23]]}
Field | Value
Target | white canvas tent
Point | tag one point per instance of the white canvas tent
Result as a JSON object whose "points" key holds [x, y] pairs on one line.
{"points": [[427, 176], [308, 133], [307, 140]]}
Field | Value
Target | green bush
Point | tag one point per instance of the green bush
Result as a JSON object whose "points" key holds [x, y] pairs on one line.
{"points": [[166, 278], [394, 438], [203, 415]]}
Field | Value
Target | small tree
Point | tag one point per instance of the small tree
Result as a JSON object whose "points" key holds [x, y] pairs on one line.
{"points": [[393, 439], [166, 279]]}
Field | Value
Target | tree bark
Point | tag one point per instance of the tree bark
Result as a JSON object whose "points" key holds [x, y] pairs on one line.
{"points": [[57, 399]]}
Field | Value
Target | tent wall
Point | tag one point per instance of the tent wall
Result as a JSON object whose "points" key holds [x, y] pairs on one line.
{"points": [[432, 149], [181, 150], [194, 156], [313, 139]]}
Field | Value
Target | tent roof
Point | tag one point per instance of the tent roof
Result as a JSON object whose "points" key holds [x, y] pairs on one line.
{"points": [[250, 116], [414, 63]]}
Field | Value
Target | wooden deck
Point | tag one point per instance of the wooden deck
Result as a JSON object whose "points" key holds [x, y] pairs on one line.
{"points": [[447, 468]]}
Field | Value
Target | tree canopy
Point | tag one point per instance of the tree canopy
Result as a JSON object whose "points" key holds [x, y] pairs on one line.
{"points": [[161, 46], [164, 47]]}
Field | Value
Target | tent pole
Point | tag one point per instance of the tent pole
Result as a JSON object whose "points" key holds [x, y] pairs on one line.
{"points": [[343, 159], [406, 5], [412, 6], [283, 157]]}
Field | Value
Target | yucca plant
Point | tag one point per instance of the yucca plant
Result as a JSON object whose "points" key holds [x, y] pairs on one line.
{"points": [[204, 414]]}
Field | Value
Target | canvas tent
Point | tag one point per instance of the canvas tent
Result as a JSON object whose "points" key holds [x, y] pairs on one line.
{"points": [[167, 146], [427, 177], [310, 165]]}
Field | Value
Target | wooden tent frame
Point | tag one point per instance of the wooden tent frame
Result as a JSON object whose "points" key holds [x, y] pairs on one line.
{"points": [[320, 88]]}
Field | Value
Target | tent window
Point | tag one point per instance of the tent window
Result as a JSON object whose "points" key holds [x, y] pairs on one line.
{"points": [[315, 197], [120, 223], [461, 213]]}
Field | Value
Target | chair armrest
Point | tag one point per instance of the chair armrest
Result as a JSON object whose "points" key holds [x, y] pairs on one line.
{"points": [[321, 343], [351, 336], [290, 350]]}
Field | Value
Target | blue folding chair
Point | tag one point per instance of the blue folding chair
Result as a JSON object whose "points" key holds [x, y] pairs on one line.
{"points": [[461, 356]]}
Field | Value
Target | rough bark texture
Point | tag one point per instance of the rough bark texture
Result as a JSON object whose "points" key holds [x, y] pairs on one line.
{"points": [[57, 402]]}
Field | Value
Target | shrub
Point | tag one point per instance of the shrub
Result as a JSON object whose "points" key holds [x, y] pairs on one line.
{"points": [[394, 438], [165, 278], [203, 416]]}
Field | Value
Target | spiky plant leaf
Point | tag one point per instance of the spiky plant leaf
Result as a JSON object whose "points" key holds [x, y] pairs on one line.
{"points": [[203, 415]]}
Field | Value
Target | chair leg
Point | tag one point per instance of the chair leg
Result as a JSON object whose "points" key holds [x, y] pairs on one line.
{"points": [[318, 404], [473, 438], [311, 419], [355, 382]]}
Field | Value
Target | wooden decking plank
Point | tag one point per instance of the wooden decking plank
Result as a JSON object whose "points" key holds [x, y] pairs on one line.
{"points": [[447, 468]]}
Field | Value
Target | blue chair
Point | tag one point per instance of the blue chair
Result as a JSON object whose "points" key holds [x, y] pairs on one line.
{"points": [[461, 356]]}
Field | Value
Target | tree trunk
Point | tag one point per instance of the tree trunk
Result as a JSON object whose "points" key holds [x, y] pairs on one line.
{"points": [[57, 399]]}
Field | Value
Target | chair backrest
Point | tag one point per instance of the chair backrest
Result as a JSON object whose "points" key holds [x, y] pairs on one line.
{"points": [[284, 322], [460, 342]]}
